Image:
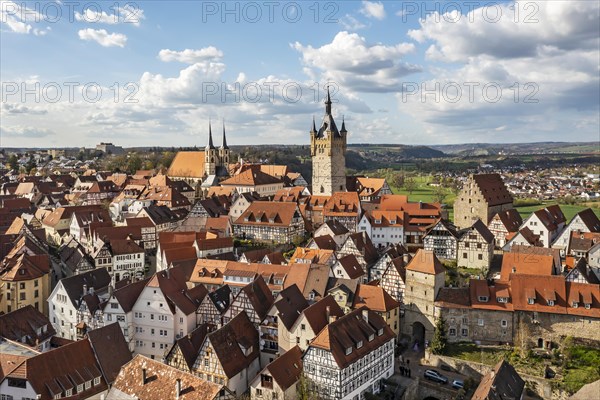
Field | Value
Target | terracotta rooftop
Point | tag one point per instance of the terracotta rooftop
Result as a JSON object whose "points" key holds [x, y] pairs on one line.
{"points": [[493, 189], [187, 164], [426, 262], [161, 382], [375, 298]]}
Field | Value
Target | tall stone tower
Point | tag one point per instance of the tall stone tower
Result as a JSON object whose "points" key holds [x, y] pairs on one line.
{"points": [[328, 152], [210, 155]]}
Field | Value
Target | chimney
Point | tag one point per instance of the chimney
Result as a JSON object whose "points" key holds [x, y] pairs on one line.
{"points": [[177, 388], [328, 314], [365, 315], [406, 258], [143, 376]]}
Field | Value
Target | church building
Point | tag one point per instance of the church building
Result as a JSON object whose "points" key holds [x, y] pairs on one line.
{"points": [[328, 152], [202, 169]]}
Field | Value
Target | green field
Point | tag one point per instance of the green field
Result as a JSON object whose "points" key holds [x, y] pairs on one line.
{"points": [[424, 192], [567, 209]]}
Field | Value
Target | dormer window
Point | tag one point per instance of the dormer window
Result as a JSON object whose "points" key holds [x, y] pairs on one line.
{"points": [[575, 304], [392, 222], [348, 350], [483, 299], [371, 337], [380, 332], [550, 302], [502, 299], [377, 221], [359, 344], [530, 300], [588, 306]]}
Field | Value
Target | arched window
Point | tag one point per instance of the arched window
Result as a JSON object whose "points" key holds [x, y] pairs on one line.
{"points": [[322, 189]]}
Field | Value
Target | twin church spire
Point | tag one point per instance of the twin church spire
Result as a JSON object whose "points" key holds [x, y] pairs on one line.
{"points": [[210, 144]]}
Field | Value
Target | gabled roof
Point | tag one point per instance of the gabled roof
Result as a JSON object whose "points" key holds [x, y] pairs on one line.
{"points": [[501, 383], [590, 219], [128, 294], [161, 380], [511, 219], [228, 341], [290, 305], [482, 230], [110, 348], [251, 177], [351, 266], [374, 298], [23, 323], [526, 263], [316, 314], [336, 227], [325, 242], [362, 331], [98, 279], [426, 262], [187, 164], [287, 368], [190, 344], [260, 296], [364, 245], [268, 213], [493, 189]]}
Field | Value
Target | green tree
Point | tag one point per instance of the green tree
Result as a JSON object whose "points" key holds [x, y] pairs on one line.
{"points": [[438, 343], [13, 161], [410, 185], [439, 194], [30, 165], [398, 180], [134, 164]]}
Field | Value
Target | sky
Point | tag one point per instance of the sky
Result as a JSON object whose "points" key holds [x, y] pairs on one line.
{"points": [[155, 73]]}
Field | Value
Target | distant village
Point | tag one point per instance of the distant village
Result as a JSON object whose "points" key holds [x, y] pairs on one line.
{"points": [[224, 279]]}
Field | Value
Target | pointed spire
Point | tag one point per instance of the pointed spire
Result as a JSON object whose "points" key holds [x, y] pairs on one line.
{"points": [[328, 103], [224, 146], [314, 126], [343, 124], [210, 144]]}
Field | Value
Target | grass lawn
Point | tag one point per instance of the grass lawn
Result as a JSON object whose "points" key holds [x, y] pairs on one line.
{"points": [[568, 210], [425, 193], [582, 368]]}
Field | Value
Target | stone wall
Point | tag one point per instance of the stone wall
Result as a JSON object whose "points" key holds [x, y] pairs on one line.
{"points": [[476, 371]]}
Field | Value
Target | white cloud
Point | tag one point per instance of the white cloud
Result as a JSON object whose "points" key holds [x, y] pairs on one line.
{"points": [[358, 65], [372, 9], [128, 14], [16, 108], [350, 23], [553, 62], [25, 132], [18, 17], [189, 56], [102, 37]]}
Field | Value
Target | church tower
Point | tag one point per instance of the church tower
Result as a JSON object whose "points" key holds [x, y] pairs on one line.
{"points": [[210, 155], [328, 152], [224, 150]]}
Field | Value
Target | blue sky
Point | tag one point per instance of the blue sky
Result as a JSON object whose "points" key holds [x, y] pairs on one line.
{"points": [[403, 72]]}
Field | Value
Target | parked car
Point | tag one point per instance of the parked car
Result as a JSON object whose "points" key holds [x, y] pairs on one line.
{"points": [[458, 384], [435, 376]]}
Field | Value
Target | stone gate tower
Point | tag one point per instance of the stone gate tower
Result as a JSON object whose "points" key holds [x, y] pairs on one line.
{"points": [[328, 152]]}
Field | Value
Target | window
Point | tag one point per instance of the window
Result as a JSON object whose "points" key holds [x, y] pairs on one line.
{"points": [[79, 388], [480, 256], [303, 326], [530, 300], [96, 381], [483, 299], [22, 285], [550, 302], [22, 296], [452, 332], [575, 304], [464, 255], [504, 323], [114, 305], [480, 322], [348, 350], [152, 331], [464, 332]]}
